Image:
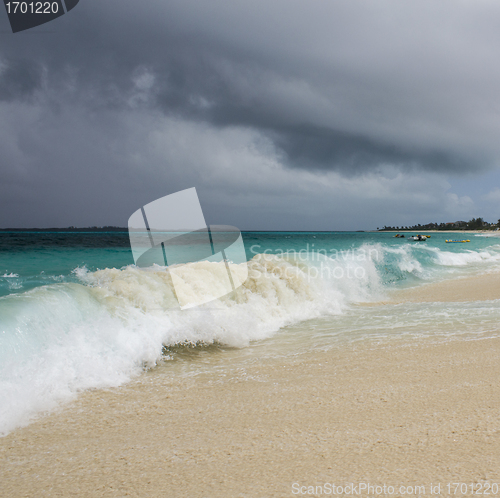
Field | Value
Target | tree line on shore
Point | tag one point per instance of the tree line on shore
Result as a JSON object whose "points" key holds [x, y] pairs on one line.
{"points": [[473, 224]]}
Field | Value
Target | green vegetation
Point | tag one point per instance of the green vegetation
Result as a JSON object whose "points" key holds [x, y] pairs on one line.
{"points": [[474, 224]]}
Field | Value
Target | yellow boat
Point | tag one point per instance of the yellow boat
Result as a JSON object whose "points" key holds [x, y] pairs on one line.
{"points": [[456, 241]]}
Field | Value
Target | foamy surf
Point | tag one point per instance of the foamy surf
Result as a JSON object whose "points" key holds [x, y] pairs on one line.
{"points": [[63, 338], [106, 326]]}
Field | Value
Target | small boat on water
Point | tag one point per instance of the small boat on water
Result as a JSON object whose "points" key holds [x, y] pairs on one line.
{"points": [[419, 238], [456, 241]]}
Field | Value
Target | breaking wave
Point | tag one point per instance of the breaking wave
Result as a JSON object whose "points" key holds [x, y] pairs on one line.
{"points": [[105, 328]]}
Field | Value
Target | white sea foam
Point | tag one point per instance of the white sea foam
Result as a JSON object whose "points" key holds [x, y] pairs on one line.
{"points": [[446, 258], [10, 275], [57, 340]]}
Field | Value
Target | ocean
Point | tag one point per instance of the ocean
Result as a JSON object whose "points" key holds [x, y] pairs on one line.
{"points": [[76, 314]]}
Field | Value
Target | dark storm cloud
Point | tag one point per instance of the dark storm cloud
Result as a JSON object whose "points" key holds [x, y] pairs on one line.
{"points": [[356, 88], [314, 147], [19, 79], [232, 65]]}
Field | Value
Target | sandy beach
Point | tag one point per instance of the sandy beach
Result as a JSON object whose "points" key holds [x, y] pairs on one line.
{"points": [[414, 413]]}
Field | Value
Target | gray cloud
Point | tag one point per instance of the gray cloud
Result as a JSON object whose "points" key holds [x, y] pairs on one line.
{"points": [[19, 79], [347, 87]]}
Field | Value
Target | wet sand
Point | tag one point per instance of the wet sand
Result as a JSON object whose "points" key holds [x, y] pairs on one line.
{"points": [[399, 413]]}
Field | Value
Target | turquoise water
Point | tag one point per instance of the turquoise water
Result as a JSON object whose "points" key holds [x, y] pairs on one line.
{"points": [[75, 313], [32, 259]]}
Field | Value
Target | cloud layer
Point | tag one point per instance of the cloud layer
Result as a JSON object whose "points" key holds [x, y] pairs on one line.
{"points": [[284, 114]]}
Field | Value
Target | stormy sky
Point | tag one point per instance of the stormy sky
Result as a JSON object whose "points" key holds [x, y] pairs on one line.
{"points": [[284, 114]]}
